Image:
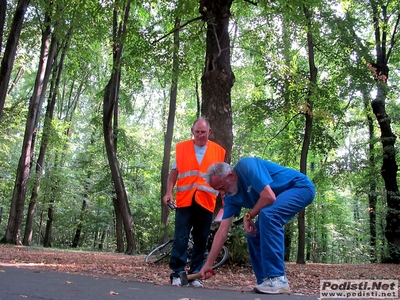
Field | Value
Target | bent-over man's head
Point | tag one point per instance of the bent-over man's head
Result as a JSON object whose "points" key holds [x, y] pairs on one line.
{"points": [[222, 178]]}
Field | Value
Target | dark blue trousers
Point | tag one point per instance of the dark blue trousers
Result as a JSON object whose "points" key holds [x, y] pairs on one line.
{"points": [[197, 219]]}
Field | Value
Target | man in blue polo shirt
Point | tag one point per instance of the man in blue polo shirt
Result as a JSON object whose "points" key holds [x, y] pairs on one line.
{"points": [[272, 194]]}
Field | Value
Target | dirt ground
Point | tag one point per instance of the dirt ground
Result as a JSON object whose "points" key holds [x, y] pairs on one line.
{"points": [[303, 279]]}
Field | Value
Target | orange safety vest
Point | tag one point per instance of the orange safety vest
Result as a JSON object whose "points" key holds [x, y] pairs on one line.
{"points": [[191, 174]]}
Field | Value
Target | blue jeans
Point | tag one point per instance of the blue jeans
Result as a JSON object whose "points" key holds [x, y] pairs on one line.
{"points": [[267, 248], [197, 219]]}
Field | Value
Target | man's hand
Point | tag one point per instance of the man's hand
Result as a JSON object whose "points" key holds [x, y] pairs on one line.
{"points": [[206, 272], [249, 227], [167, 198]]}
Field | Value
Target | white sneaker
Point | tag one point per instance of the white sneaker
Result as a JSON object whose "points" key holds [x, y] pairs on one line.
{"points": [[196, 283], [274, 285], [176, 281]]}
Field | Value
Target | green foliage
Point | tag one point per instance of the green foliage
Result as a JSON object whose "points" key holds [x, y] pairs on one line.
{"points": [[237, 245]]}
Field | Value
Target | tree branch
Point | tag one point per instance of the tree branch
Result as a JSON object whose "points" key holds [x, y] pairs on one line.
{"points": [[286, 125], [393, 40], [175, 29], [252, 2]]}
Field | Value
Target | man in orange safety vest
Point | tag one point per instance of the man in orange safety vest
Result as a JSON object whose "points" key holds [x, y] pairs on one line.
{"points": [[195, 199]]}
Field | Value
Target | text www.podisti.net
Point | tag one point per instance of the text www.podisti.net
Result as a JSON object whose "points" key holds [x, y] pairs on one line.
{"points": [[343, 288]]}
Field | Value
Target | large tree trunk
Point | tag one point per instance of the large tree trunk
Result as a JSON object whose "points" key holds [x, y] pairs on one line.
{"points": [[24, 166], [165, 212], [307, 135], [110, 107], [388, 138], [389, 173], [218, 78], [118, 227], [43, 148], [9, 54], [122, 198]]}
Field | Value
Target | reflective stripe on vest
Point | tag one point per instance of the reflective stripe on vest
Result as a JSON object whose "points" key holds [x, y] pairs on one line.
{"points": [[189, 173], [199, 187]]}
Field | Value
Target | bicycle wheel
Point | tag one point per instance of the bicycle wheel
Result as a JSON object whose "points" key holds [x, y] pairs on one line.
{"points": [[159, 252], [222, 257]]}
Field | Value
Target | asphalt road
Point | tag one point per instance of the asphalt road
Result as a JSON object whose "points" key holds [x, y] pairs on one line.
{"points": [[19, 283]]}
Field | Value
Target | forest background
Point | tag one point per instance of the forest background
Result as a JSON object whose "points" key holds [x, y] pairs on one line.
{"points": [[94, 95]]}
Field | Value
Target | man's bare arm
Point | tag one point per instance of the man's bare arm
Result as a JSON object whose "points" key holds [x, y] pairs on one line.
{"points": [[172, 177], [219, 241], [267, 197]]}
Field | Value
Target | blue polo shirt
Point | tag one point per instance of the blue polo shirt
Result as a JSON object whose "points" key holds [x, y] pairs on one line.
{"points": [[254, 174]]}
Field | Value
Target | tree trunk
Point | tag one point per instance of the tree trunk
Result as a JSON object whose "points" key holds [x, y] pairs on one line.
{"points": [[389, 173], [24, 166], [307, 135], [324, 248], [3, 11], [286, 38], [102, 239], [49, 225], [79, 227], [118, 227], [165, 212], [39, 239], [388, 138], [51, 209], [218, 78], [9, 54], [372, 196], [110, 105], [19, 74], [288, 240], [42, 153], [122, 198]]}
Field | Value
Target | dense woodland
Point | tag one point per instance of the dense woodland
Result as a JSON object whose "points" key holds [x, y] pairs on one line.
{"points": [[95, 94]]}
